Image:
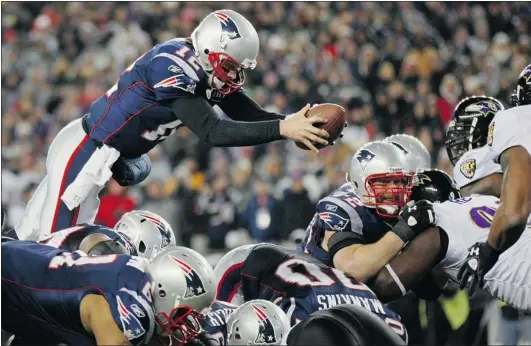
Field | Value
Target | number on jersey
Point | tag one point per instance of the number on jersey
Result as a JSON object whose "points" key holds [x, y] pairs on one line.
{"points": [[303, 273], [483, 216], [67, 259], [162, 132]]}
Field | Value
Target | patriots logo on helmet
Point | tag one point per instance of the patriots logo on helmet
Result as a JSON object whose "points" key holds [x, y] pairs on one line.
{"points": [[131, 326], [195, 286], [228, 27], [468, 168], [164, 232], [364, 157], [266, 332], [333, 220]]}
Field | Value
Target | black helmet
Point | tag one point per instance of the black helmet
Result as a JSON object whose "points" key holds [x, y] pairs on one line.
{"points": [[522, 94], [469, 127], [434, 185]]}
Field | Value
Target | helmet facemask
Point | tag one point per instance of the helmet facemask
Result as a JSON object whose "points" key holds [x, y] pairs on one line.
{"points": [[387, 192], [181, 325], [222, 66], [463, 136]]}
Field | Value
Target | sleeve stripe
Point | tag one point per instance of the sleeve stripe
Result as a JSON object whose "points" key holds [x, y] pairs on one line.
{"points": [[182, 64]]}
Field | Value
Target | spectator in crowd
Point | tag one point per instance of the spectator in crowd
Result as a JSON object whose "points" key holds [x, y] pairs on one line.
{"points": [[295, 209], [261, 216], [114, 202]]}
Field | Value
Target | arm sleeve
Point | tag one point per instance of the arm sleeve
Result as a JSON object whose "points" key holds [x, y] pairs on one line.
{"points": [[239, 106], [200, 118]]}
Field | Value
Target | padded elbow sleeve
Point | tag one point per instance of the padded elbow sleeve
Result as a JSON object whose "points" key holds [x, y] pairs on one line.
{"points": [[339, 241]]}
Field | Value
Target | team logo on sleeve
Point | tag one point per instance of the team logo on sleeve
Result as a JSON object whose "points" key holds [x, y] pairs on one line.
{"points": [[228, 27], [468, 168], [364, 157], [335, 221], [266, 332], [195, 286], [490, 136], [131, 326]]}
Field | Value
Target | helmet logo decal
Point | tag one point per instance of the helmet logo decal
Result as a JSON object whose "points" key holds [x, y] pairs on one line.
{"points": [[401, 147], [229, 30], [421, 179], [526, 74], [468, 168], [483, 108], [195, 287], [364, 157], [266, 332], [164, 232]]}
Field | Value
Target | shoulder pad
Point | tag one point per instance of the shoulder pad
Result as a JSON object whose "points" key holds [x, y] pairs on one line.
{"points": [[339, 214], [134, 316], [179, 57]]}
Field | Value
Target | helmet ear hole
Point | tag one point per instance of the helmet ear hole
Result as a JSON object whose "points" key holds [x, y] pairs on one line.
{"points": [[141, 247], [206, 51]]}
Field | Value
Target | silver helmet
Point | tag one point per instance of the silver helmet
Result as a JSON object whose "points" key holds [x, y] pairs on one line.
{"points": [[183, 288], [257, 322], [226, 264], [380, 176], [149, 232], [418, 157], [226, 42]]}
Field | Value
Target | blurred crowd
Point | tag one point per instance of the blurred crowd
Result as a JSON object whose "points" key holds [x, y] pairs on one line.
{"points": [[395, 67]]}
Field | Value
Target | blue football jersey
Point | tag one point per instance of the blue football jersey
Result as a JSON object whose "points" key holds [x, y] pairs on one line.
{"points": [[42, 290], [215, 323], [135, 114], [70, 238], [342, 211], [300, 284]]}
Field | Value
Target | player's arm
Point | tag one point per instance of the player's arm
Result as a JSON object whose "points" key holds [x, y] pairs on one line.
{"points": [[411, 266], [363, 261], [97, 319], [490, 185], [240, 106], [511, 218]]}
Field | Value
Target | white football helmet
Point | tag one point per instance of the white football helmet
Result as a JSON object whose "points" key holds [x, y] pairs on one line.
{"points": [[257, 322], [149, 232], [225, 41], [380, 176], [231, 260], [183, 288], [417, 156]]}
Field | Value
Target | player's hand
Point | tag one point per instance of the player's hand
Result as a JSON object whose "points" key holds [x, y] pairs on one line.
{"points": [[414, 218], [481, 258], [300, 129]]}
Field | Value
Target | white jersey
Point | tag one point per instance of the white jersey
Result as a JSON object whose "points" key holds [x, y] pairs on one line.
{"points": [[467, 221], [509, 128], [474, 165]]}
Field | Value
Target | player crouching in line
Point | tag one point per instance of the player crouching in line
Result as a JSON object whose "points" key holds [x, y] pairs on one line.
{"points": [[108, 300], [137, 233], [175, 84]]}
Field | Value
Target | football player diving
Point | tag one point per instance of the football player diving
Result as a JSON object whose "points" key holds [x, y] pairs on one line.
{"points": [[175, 84]]}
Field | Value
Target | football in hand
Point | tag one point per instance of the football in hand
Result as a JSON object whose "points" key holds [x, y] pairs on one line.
{"points": [[335, 114]]}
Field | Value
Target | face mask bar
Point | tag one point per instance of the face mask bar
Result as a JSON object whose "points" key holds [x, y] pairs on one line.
{"points": [[221, 64]]}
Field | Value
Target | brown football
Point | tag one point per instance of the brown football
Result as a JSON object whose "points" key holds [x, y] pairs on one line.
{"points": [[335, 114]]}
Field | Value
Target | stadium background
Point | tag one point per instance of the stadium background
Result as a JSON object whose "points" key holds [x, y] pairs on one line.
{"points": [[395, 67]]}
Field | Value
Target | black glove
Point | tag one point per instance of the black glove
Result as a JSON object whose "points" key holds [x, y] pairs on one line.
{"points": [[481, 258], [414, 218]]}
